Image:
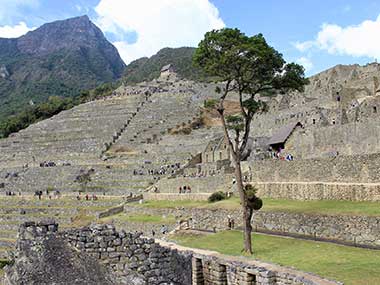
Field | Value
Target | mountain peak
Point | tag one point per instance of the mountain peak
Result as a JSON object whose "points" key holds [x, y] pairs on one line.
{"points": [[59, 58], [71, 33]]}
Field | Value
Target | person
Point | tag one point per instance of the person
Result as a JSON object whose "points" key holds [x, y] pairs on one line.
{"points": [[164, 229], [229, 223], [180, 190], [153, 233]]}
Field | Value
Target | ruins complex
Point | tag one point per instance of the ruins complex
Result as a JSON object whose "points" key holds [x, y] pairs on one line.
{"points": [[154, 137]]}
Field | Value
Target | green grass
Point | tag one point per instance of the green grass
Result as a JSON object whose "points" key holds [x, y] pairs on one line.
{"points": [[153, 219], [170, 204], [330, 207], [348, 264], [325, 207], [3, 262]]}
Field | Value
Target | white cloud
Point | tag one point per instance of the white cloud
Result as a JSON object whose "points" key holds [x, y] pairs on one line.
{"points": [[14, 31], [355, 40], [303, 46], [158, 24], [306, 63]]}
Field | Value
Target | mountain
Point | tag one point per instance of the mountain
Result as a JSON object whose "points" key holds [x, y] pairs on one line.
{"points": [[59, 58], [146, 69]]}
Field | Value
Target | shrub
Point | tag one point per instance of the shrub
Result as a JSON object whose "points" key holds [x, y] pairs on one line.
{"points": [[210, 103], [217, 196], [254, 202]]}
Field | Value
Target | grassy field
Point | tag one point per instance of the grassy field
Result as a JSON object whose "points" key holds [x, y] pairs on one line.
{"points": [[331, 207], [154, 219], [348, 264]]}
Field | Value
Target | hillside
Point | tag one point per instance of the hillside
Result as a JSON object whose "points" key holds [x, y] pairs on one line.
{"points": [[59, 58], [146, 69]]}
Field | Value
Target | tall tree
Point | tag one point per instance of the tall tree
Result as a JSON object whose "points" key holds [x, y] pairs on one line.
{"points": [[246, 66]]}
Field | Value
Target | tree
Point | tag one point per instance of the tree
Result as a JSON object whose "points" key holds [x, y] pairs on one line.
{"points": [[83, 179], [246, 66]]}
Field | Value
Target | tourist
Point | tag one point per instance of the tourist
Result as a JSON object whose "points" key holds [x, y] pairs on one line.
{"points": [[164, 230], [229, 222], [180, 190]]}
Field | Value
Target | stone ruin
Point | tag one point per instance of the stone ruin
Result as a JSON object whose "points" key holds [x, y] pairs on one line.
{"points": [[99, 254]]}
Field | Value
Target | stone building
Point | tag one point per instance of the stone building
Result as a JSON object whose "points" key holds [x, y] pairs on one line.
{"points": [[278, 141], [168, 73], [217, 149]]}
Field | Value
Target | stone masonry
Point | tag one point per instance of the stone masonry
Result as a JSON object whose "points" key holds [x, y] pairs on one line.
{"points": [[130, 256], [353, 230]]}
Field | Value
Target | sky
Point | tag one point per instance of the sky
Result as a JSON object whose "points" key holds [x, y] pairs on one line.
{"points": [[318, 34]]}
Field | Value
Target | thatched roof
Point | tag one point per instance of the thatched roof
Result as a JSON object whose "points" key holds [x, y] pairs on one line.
{"points": [[166, 67], [283, 134]]}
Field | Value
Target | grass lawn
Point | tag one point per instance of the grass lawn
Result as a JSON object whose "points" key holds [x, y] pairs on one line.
{"points": [[154, 219], [348, 264], [331, 207]]}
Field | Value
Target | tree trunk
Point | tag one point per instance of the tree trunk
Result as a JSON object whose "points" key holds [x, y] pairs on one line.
{"points": [[247, 212]]}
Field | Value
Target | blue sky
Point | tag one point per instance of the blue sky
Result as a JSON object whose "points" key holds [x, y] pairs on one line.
{"points": [[317, 34]]}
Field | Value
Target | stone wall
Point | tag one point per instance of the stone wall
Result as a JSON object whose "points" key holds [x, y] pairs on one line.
{"points": [[111, 212], [176, 197], [319, 191], [353, 230], [159, 262], [348, 169], [130, 252], [208, 184], [348, 139]]}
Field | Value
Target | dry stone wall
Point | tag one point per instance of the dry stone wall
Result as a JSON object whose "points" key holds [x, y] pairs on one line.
{"points": [[353, 230], [158, 262], [347, 169]]}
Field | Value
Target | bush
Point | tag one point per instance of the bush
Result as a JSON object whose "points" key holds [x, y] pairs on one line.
{"points": [[254, 202], [217, 196], [210, 103]]}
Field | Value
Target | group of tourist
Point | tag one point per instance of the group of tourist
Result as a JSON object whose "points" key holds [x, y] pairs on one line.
{"points": [[202, 174], [48, 164], [87, 197], [39, 194], [280, 156], [162, 170], [184, 189], [11, 175]]}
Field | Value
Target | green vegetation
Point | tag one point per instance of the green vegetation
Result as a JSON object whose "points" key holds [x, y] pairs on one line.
{"points": [[3, 263], [216, 197], [348, 264], [210, 103], [329, 207], [154, 219], [146, 69]]}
